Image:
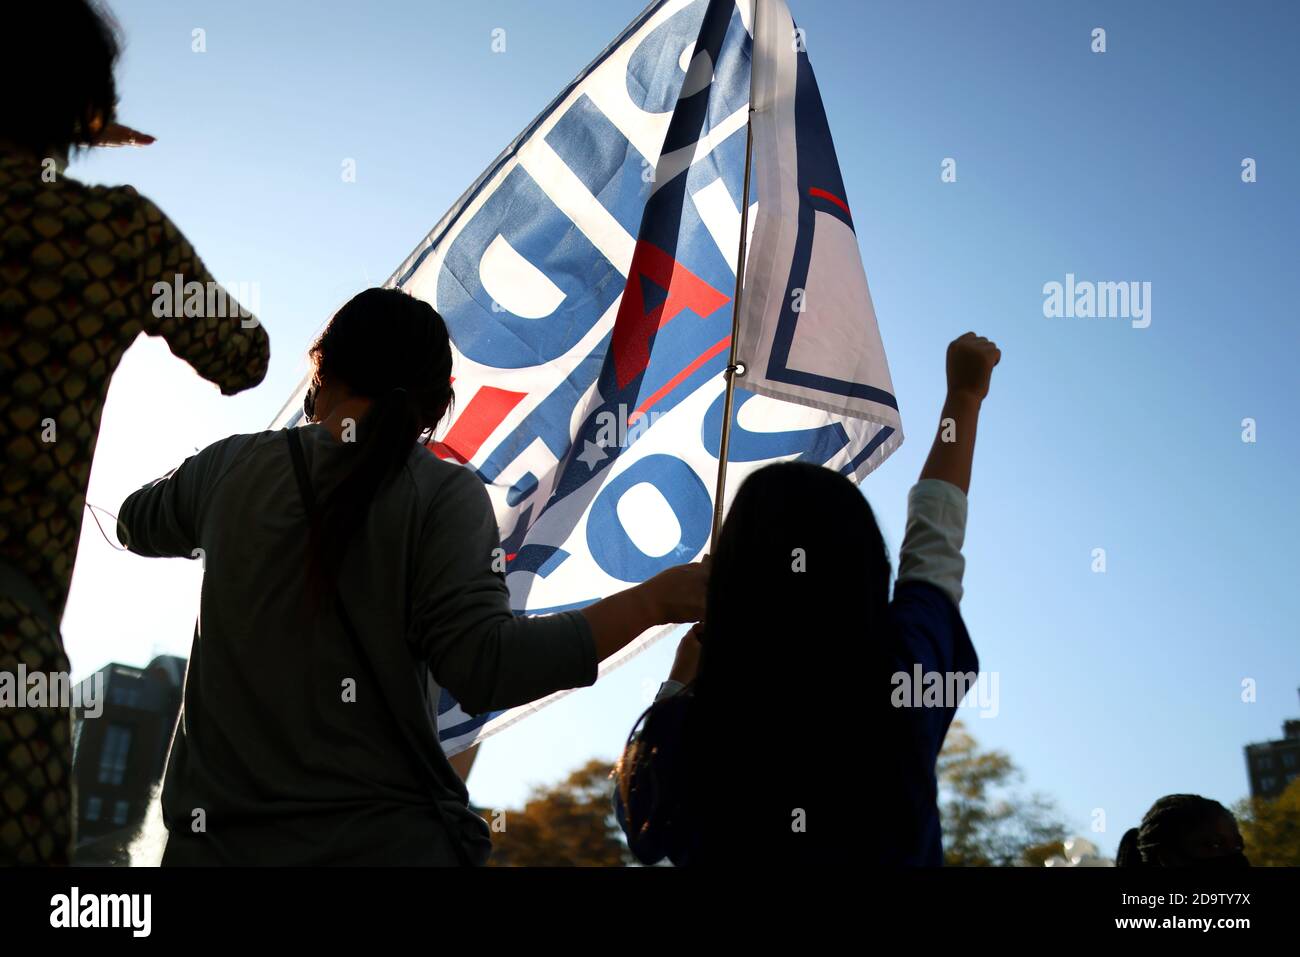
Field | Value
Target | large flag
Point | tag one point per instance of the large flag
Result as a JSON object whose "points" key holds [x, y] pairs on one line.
{"points": [[587, 279]]}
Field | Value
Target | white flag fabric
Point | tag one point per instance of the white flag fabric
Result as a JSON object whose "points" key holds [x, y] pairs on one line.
{"points": [[587, 279], [808, 329]]}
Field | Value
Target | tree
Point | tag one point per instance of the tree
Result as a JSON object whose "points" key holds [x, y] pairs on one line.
{"points": [[1039, 854], [985, 822], [1271, 828], [564, 825]]}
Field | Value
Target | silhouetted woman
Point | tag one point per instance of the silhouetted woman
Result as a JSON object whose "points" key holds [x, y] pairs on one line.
{"points": [[787, 732], [1184, 830], [78, 265], [349, 576]]}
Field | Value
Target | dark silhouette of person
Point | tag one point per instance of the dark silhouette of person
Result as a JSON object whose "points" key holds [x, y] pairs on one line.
{"points": [[786, 733], [1183, 830], [78, 269]]}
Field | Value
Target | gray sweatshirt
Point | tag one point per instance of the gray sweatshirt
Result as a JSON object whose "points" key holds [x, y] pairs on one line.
{"points": [[286, 751]]}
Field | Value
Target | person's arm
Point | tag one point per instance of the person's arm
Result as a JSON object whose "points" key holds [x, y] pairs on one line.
{"points": [[686, 664], [971, 359], [162, 519], [671, 597], [224, 342], [488, 658], [936, 505]]}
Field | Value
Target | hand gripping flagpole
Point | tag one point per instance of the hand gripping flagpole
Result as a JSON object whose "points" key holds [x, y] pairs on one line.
{"points": [[734, 367]]}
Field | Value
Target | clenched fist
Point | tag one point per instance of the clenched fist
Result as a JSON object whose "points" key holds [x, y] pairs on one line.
{"points": [[971, 359]]}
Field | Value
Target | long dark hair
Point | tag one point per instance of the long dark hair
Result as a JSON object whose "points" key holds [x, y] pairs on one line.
{"points": [[1165, 828], [796, 644], [393, 349], [56, 64]]}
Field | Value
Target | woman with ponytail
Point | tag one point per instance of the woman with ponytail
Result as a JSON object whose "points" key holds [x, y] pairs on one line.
{"points": [[1183, 830], [349, 577]]}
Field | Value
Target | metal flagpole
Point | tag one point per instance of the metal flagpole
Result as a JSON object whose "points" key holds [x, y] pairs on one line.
{"points": [[733, 368]]}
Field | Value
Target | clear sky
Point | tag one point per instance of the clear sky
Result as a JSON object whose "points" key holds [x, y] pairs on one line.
{"points": [[1115, 687]]}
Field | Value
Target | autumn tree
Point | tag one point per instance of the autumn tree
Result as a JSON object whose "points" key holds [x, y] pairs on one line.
{"points": [[562, 825], [1038, 855], [986, 823], [1271, 828]]}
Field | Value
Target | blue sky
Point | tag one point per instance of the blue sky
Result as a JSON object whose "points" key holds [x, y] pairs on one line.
{"points": [[1115, 688]]}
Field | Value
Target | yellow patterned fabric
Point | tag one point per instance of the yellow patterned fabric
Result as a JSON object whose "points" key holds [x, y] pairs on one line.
{"points": [[36, 784], [78, 267]]}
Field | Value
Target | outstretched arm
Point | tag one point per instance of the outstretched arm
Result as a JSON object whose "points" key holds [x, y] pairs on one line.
{"points": [[971, 359], [673, 596], [488, 658], [201, 322], [936, 506]]}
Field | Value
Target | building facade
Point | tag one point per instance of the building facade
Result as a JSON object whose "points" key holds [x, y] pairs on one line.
{"points": [[120, 747], [1272, 765]]}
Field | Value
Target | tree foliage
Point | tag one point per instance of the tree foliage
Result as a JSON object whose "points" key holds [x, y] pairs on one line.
{"points": [[986, 822], [569, 824], [1271, 828], [1039, 854]]}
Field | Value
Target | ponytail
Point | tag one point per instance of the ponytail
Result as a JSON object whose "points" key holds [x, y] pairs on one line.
{"points": [[385, 437], [394, 350]]}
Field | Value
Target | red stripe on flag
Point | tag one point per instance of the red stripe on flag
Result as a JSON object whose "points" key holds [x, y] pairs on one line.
{"points": [[678, 379], [814, 191], [485, 412]]}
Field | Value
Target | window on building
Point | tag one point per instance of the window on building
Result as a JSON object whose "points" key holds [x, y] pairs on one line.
{"points": [[1264, 762], [1266, 783], [1289, 760], [125, 694], [94, 806], [112, 758], [120, 811]]}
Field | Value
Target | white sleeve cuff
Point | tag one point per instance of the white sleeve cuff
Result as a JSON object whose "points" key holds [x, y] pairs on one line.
{"points": [[936, 528]]}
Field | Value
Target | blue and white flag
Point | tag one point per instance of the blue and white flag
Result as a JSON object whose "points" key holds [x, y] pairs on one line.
{"points": [[587, 279]]}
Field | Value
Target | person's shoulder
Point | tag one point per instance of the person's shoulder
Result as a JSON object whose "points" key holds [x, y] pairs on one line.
{"points": [[921, 610], [53, 189], [123, 202], [119, 199], [221, 456], [430, 472], [244, 440], [448, 488], [121, 192], [113, 211], [148, 210]]}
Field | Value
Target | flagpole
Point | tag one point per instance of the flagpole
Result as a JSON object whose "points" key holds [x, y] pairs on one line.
{"points": [[733, 367]]}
